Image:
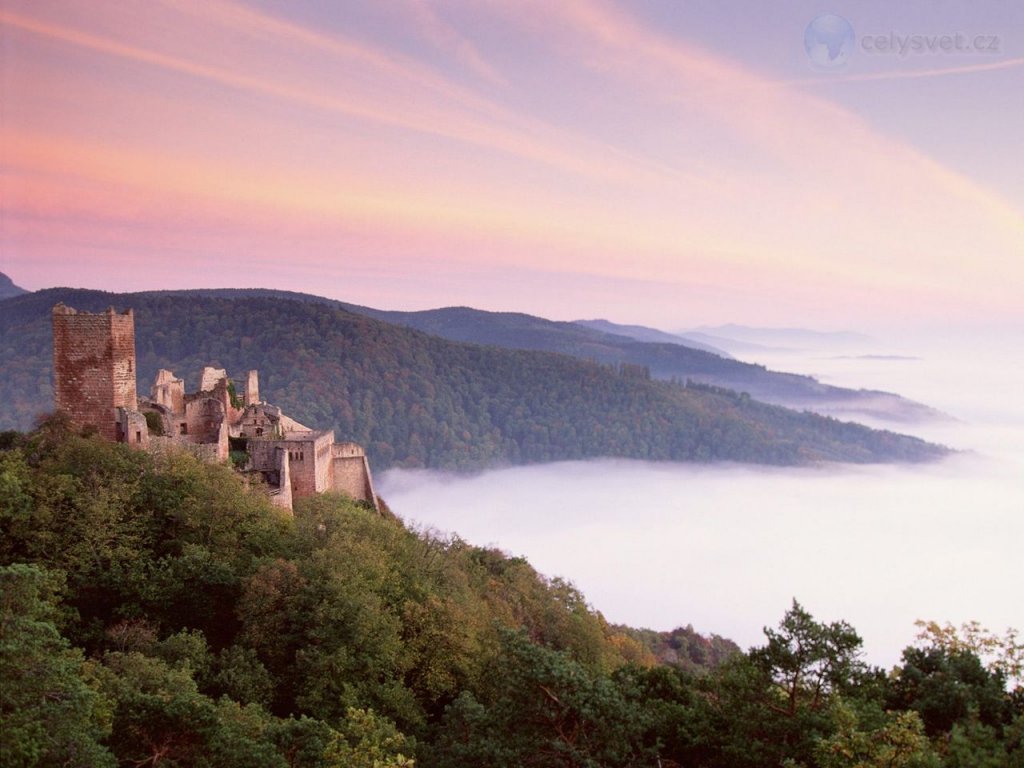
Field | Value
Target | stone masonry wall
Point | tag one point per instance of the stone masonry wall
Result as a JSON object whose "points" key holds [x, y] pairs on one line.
{"points": [[132, 427], [169, 391], [300, 465], [252, 388], [263, 455], [310, 463], [351, 473], [210, 377], [94, 367], [282, 497], [203, 417]]}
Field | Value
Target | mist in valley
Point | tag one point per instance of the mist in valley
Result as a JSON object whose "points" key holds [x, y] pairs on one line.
{"points": [[727, 547]]}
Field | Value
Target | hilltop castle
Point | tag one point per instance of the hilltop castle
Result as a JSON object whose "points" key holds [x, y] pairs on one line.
{"points": [[94, 381]]}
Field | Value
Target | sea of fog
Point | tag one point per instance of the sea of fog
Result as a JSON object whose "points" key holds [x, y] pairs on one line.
{"points": [[727, 547]]}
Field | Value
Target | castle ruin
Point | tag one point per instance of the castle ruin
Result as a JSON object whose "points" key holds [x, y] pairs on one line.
{"points": [[94, 371]]}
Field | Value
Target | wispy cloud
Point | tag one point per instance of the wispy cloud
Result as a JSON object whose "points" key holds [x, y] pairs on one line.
{"points": [[592, 143], [884, 185], [416, 100], [911, 74], [442, 34]]}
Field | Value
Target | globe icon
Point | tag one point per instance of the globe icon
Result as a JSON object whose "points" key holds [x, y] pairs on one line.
{"points": [[828, 41]]}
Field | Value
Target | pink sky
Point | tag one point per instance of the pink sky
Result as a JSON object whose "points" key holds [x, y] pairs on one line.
{"points": [[645, 162]]}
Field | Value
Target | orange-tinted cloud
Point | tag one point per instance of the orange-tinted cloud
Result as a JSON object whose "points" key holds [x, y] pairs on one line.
{"points": [[646, 159]]}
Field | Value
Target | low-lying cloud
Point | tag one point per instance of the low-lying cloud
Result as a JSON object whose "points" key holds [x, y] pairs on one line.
{"points": [[726, 547]]}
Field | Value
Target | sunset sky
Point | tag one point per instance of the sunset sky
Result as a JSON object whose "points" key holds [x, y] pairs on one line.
{"points": [[668, 162]]}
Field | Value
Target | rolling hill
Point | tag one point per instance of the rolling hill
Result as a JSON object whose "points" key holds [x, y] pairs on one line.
{"points": [[418, 400], [669, 361], [672, 359]]}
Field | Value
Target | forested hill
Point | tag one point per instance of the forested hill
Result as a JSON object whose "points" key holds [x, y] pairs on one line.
{"points": [[665, 360], [157, 611], [421, 401]]}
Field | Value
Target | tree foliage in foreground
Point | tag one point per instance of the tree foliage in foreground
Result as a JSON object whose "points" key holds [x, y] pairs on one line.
{"points": [[156, 611]]}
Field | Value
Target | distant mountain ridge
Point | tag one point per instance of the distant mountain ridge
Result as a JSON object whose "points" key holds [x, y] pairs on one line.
{"points": [[8, 289], [782, 337], [515, 330], [651, 335], [420, 400], [678, 359], [673, 360]]}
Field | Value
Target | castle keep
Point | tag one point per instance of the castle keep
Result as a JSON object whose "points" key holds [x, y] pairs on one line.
{"points": [[94, 372]]}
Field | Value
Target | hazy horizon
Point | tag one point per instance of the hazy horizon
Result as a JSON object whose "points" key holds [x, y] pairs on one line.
{"points": [[884, 339]]}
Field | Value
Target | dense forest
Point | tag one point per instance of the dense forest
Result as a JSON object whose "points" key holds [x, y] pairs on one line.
{"points": [[156, 611], [416, 400], [664, 360]]}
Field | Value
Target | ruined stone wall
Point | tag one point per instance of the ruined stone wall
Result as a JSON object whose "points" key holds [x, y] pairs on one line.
{"points": [[300, 464], [219, 391], [324, 468], [208, 452], [263, 454], [309, 460], [351, 473], [94, 367], [209, 378], [259, 420], [203, 418], [122, 329], [271, 459], [165, 443], [203, 451], [168, 421], [132, 428], [94, 383], [348, 448], [223, 444], [169, 391], [223, 393], [282, 495]]}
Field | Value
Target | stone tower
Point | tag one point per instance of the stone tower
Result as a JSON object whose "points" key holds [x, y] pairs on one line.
{"points": [[94, 368], [252, 388]]}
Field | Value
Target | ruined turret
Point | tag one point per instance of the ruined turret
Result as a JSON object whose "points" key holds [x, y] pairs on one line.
{"points": [[94, 370], [252, 388]]}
